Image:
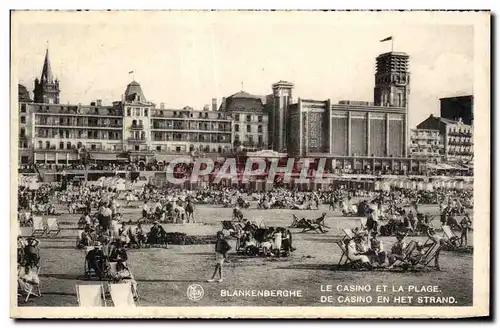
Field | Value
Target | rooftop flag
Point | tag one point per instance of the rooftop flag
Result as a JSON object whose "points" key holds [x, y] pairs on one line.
{"points": [[386, 39]]}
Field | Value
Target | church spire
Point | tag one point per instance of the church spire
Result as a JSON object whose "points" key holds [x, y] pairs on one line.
{"points": [[47, 71]]}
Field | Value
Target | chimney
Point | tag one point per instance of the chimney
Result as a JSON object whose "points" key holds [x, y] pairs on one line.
{"points": [[214, 104], [162, 105], [99, 102], [92, 103], [206, 108], [223, 103]]}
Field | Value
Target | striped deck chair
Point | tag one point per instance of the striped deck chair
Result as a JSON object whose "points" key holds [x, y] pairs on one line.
{"points": [[39, 227], [90, 295], [52, 227], [431, 253], [122, 295]]}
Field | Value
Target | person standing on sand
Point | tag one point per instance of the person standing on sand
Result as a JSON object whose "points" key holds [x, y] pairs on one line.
{"points": [[221, 249]]}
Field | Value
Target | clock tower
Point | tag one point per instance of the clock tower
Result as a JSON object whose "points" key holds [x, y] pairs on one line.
{"points": [[392, 80]]}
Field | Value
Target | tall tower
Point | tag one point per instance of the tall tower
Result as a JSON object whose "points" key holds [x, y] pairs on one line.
{"points": [[282, 97], [47, 88], [392, 80]]}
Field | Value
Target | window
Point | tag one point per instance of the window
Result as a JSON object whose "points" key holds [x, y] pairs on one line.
{"points": [[237, 117], [175, 114], [177, 149], [23, 119], [22, 132], [68, 145], [79, 145], [136, 147], [93, 147], [249, 118], [61, 145], [259, 129], [137, 112], [236, 128], [23, 108], [249, 128], [40, 145], [145, 112], [260, 140], [259, 118], [158, 148], [47, 145]]}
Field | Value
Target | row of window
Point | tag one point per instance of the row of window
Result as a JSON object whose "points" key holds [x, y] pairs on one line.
{"points": [[80, 134], [190, 114], [137, 111], [249, 128], [249, 118], [181, 149], [249, 138], [180, 125]]}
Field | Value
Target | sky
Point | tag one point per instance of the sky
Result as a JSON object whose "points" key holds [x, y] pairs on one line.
{"points": [[186, 59]]}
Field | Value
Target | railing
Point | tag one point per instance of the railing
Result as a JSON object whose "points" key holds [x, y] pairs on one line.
{"points": [[137, 127], [137, 140]]}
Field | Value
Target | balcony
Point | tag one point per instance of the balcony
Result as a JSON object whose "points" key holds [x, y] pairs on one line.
{"points": [[137, 140], [137, 127]]}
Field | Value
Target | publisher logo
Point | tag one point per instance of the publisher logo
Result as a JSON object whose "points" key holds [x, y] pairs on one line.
{"points": [[195, 292]]}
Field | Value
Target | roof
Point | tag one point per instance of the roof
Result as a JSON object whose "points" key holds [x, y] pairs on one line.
{"points": [[134, 92], [47, 71], [243, 95], [281, 82]]}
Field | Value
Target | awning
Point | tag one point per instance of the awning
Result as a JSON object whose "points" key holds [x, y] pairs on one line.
{"points": [[169, 158], [105, 157]]}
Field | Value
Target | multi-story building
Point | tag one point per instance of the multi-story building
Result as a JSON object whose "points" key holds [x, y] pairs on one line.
{"points": [[455, 108], [130, 129], [426, 144], [456, 137], [250, 120], [359, 134], [187, 131]]}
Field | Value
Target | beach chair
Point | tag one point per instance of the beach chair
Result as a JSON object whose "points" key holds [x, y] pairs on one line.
{"points": [[348, 233], [295, 221], [26, 231], [52, 227], [344, 258], [38, 226], [112, 272], [431, 253], [30, 284], [450, 235], [122, 294], [362, 223], [90, 295], [312, 227], [321, 221]]}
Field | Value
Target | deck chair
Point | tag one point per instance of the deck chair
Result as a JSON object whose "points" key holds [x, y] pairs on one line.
{"points": [[26, 231], [90, 295], [321, 221], [344, 259], [450, 235], [31, 288], [52, 227], [122, 295], [38, 226], [113, 271], [430, 254], [295, 221], [362, 223], [312, 227], [348, 233]]}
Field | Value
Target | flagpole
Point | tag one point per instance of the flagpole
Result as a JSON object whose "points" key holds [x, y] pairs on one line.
{"points": [[392, 44]]}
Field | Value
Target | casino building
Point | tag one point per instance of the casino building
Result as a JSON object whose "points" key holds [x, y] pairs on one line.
{"points": [[356, 135]]}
